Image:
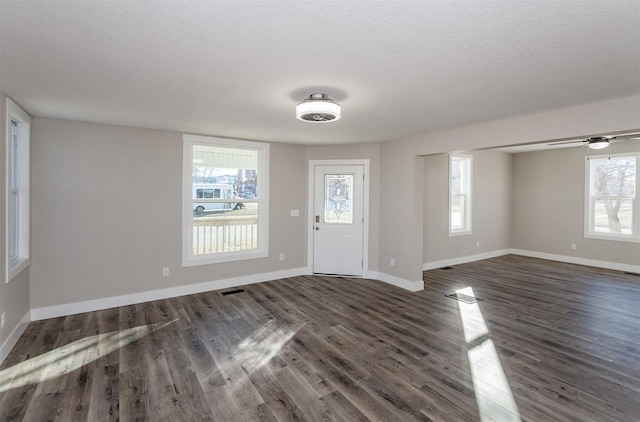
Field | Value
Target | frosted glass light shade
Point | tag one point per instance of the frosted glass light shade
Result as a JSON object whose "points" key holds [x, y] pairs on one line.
{"points": [[599, 144], [318, 108]]}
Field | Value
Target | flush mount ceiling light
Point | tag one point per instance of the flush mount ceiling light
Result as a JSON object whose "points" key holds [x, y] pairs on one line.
{"points": [[598, 143], [318, 108]]}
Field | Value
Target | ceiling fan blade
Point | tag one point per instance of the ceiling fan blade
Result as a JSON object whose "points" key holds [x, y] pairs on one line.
{"points": [[633, 136], [570, 142], [621, 140]]}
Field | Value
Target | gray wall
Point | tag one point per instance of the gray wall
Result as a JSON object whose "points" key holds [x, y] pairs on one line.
{"points": [[528, 201], [14, 296], [95, 235], [491, 207], [107, 213], [401, 234], [548, 206]]}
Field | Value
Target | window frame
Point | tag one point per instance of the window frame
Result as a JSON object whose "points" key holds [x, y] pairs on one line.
{"points": [[589, 217], [17, 218], [262, 251], [468, 182]]}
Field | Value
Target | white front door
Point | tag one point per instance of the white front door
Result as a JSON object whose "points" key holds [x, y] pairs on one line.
{"points": [[338, 219]]}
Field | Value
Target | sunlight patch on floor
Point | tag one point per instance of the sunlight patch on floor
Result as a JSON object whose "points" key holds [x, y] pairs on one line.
{"points": [[473, 323], [68, 358], [490, 385], [493, 394], [263, 344]]}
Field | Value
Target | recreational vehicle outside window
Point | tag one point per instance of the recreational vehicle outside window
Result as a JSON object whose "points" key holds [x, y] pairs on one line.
{"points": [[207, 193], [225, 200], [612, 207]]}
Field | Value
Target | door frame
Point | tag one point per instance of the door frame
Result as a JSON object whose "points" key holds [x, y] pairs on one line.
{"points": [[365, 163]]}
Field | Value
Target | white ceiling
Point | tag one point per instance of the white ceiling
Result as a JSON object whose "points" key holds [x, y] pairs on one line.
{"points": [[237, 68]]}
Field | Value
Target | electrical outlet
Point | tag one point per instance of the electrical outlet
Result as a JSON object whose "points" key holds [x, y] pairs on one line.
{"points": [[281, 257], [165, 272], [392, 262], [2, 319], [573, 246], [478, 244]]}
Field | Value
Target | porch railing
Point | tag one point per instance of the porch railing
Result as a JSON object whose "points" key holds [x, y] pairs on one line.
{"points": [[224, 234]]}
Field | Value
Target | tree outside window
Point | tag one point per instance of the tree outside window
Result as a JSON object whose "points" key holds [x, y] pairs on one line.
{"points": [[612, 206]]}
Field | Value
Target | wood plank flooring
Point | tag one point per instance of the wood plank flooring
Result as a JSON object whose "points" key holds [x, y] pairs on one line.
{"points": [[547, 342]]}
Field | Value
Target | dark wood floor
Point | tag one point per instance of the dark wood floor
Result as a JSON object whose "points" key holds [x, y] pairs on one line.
{"points": [[549, 341]]}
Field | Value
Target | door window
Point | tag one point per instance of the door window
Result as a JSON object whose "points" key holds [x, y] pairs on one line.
{"points": [[338, 198]]}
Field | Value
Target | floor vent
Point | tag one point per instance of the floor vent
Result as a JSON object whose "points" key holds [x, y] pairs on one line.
{"points": [[232, 292], [463, 298]]}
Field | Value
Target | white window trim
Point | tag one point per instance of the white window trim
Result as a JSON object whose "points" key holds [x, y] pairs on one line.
{"points": [[23, 259], [468, 216], [588, 233], [188, 259]]}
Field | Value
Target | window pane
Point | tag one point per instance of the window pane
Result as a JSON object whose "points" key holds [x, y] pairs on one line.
{"points": [[457, 212], [227, 230], [460, 195], [456, 175], [614, 177], [15, 162], [13, 225], [612, 192], [14, 195], [221, 221], [338, 198], [612, 216]]}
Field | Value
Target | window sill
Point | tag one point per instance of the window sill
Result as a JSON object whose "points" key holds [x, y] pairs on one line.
{"points": [[613, 238], [16, 267], [193, 261], [460, 233]]}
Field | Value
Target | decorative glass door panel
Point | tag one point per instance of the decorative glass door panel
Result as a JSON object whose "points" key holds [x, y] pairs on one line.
{"points": [[338, 198], [338, 219]]}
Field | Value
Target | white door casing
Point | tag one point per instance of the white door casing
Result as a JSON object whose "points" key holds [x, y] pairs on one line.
{"points": [[338, 217]]}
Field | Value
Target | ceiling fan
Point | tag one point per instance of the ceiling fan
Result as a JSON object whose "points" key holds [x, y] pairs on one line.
{"points": [[600, 142]]}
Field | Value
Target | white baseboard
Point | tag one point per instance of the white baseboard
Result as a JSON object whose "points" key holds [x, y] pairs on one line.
{"points": [[130, 299], [412, 286], [463, 259], [580, 261], [533, 254], [13, 337], [372, 275]]}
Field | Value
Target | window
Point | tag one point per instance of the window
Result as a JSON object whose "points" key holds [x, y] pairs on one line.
{"points": [[338, 198], [17, 201], [225, 200], [459, 194], [611, 201]]}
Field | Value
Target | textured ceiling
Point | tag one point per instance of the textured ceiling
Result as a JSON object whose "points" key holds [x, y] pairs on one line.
{"points": [[237, 68]]}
